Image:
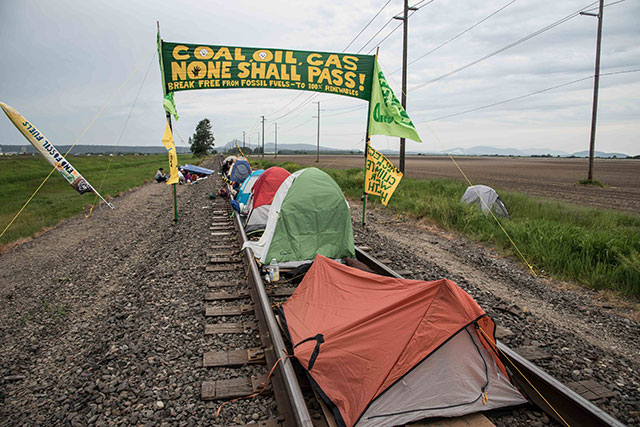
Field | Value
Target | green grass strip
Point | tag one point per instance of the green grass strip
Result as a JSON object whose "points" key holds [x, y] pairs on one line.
{"points": [[57, 200], [594, 247]]}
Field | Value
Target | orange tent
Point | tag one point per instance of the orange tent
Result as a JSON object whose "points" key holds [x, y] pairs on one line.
{"points": [[387, 351]]}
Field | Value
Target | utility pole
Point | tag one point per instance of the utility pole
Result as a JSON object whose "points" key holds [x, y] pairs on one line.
{"points": [[262, 137], [243, 136], [276, 150], [405, 31], [318, 116], [596, 84]]}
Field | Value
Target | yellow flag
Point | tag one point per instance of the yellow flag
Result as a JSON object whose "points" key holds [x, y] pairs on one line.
{"points": [[167, 141], [381, 177]]}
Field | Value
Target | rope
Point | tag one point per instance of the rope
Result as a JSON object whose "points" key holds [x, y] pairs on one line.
{"points": [[523, 376], [70, 148], [531, 270], [126, 122], [263, 384], [520, 254]]}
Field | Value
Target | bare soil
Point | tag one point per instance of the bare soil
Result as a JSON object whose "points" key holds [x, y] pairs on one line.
{"points": [[552, 178]]}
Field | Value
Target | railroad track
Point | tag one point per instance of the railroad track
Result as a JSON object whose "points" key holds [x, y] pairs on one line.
{"points": [[238, 292]]}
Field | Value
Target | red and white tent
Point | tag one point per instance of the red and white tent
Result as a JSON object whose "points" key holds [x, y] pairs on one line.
{"points": [[387, 351]]}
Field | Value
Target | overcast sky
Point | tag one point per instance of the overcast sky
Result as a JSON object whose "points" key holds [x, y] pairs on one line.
{"points": [[62, 61]]}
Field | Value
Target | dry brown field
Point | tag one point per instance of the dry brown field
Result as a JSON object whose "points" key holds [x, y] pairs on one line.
{"points": [[553, 178]]}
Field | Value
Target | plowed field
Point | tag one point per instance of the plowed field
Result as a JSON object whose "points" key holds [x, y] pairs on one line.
{"points": [[553, 178]]}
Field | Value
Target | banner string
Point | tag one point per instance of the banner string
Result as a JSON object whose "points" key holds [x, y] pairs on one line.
{"points": [[70, 148], [520, 254], [126, 122]]}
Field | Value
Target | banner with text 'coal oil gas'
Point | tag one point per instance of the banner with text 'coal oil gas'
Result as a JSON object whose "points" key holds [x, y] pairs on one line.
{"points": [[192, 66]]}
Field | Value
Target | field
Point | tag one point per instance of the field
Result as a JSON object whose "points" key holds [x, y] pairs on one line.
{"points": [[553, 178], [57, 200]]}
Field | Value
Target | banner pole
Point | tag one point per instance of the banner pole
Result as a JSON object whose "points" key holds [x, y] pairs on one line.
{"points": [[175, 195], [366, 146], [168, 115]]}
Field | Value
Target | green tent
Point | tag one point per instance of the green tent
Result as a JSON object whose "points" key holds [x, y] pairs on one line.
{"points": [[309, 216]]}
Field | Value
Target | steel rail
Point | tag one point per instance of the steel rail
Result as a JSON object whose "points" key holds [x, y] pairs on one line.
{"points": [[574, 409], [291, 403]]}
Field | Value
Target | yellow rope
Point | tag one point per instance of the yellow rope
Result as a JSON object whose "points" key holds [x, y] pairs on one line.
{"points": [[523, 376], [531, 270], [69, 150], [533, 273], [26, 203]]}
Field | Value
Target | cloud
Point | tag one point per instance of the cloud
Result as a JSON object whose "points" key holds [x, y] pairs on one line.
{"points": [[65, 60]]}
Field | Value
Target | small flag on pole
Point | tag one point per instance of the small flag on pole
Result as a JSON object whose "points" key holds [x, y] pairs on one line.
{"points": [[381, 177], [387, 117], [167, 141], [49, 152]]}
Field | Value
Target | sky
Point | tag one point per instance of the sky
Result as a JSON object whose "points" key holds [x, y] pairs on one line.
{"points": [[68, 61]]}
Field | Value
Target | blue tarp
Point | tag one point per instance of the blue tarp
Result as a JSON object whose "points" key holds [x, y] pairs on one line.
{"points": [[240, 171], [196, 169], [247, 185]]}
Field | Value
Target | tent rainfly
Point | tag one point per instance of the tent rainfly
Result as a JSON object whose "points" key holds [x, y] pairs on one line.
{"points": [[261, 197], [486, 198], [384, 351], [247, 186], [309, 215], [240, 170]]}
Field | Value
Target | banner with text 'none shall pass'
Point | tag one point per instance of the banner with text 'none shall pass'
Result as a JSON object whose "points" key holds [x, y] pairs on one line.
{"points": [[192, 66], [49, 152], [381, 177], [386, 115], [167, 141]]}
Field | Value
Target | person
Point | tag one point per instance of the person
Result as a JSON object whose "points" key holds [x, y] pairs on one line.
{"points": [[181, 179], [160, 176], [187, 177]]}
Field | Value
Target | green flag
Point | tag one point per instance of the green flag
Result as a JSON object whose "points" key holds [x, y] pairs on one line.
{"points": [[168, 103], [387, 117]]}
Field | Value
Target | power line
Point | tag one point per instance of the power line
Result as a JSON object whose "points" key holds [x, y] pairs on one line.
{"points": [[509, 46], [394, 30], [529, 94], [314, 96], [460, 34], [366, 26]]}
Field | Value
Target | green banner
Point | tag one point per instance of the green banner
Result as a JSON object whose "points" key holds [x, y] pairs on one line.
{"points": [[192, 66], [386, 116]]}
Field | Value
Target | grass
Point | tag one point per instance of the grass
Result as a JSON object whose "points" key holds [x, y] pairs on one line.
{"points": [[57, 200], [587, 181], [594, 247]]}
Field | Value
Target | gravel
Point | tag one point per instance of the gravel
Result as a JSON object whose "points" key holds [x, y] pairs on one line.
{"points": [[102, 318]]}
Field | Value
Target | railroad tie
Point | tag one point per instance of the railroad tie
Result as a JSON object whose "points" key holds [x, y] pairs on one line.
{"points": [[231, 358], [217, 285], [591, 390], [532, 352], [230, 328], [222, 295], [237, 310], [237, 387]]}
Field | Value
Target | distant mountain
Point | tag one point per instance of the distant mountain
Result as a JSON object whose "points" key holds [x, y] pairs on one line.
{"points": [[489, 151], [480, 150], [269, 147], [95, 149], [600, 154]]}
